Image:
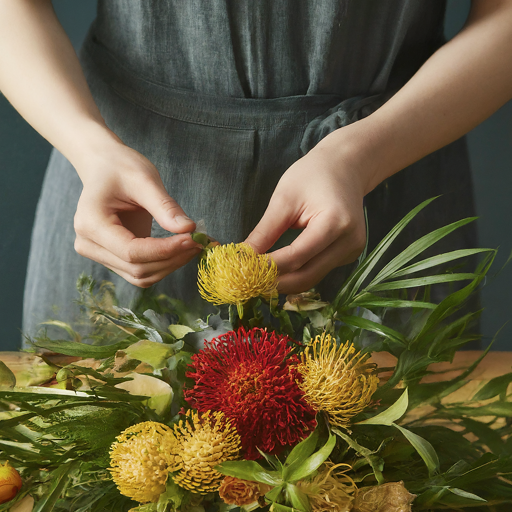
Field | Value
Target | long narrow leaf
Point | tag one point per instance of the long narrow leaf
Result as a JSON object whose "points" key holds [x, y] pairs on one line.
{"points": [[368, 300], [248, 470], [371, 326], [424, 448], [358, 277], [416, 248], [422, 281], [494, 387], [303, 450], [312, 463], [438, 260], [60, 481], [391, 414], [456, 299], [374, 461], [75, 348]]}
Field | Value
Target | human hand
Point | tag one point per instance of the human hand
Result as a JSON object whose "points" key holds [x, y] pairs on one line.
{"points": [[322, 193], [122, 193]]}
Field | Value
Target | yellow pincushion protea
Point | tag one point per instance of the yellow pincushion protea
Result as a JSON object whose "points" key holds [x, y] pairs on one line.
{"points": [[235, 273], [141, 458], [205, 440], [336, 380]]}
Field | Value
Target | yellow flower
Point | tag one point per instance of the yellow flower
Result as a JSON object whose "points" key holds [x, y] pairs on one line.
{"points": [[235, 273], [141, 459], [205, 440], [330, 490], [336, 380]]}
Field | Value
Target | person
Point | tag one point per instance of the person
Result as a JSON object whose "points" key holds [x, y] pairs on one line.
{"points": [[257, 116]]}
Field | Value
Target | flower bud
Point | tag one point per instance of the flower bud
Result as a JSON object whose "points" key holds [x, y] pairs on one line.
{"points": [[64, 374], [10, 483]]}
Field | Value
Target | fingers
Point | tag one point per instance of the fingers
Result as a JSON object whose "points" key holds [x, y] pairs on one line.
{"points": [[275, 221], [166, 211], [108, 232], [341, 252], [139, 273], [321, 231]]}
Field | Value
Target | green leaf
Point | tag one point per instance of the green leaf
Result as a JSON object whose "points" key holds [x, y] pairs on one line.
{"points": [[130, 319], [150, 352], [432, 392], [440, 259], [500, 409], [422, 281], [368, 300], [297, 498], [74, 348], [494, 387], [62, 325], [311, 464], [375, 327], [391, 414], [60, 481], [357, 278], [465, 494], [248, 470], [159, 393], [179, 331], [277, 507], [375, 462], [424, 448], [455, 300], [274, 494], [485, 434], [417, 247], [303, 450], [272, 460], [7, 378]]}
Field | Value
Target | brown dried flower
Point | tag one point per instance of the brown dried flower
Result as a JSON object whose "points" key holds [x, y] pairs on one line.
{"points": [[390, 497], [235, 491]]}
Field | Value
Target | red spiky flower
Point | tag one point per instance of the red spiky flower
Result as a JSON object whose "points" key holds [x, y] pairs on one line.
{"points": [[252, 378]]}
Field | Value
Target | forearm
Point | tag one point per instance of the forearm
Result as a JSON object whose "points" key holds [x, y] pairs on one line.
{"points": [[462, 84], [41, 76]]}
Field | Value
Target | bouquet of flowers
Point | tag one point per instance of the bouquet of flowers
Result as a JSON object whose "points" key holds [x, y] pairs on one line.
{"points": [[261, 404]]}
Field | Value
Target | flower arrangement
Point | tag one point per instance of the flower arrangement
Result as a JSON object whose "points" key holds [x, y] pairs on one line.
{"points": [[262, 404]]}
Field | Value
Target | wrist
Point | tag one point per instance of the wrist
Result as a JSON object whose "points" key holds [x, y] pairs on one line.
{"points": [[92, 142], [360, 149]]}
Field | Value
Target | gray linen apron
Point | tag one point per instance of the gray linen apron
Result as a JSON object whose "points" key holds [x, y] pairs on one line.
{"points": [[223, 96]]}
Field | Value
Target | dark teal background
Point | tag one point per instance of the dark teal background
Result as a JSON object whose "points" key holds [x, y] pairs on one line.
{"points": [[24, 154]]}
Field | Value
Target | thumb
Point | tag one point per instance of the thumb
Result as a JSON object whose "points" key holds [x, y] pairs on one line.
{"points": [[165, 210], [275, 221]]}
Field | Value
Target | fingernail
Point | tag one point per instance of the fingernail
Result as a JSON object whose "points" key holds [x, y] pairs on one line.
{"points": [[190, 244], [183, 220]]}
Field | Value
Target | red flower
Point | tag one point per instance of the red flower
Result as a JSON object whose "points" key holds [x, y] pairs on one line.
{"points": [[251, 377]]}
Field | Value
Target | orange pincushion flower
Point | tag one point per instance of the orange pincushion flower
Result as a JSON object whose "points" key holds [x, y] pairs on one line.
{"points": [[235, 491], [10, 483]]}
